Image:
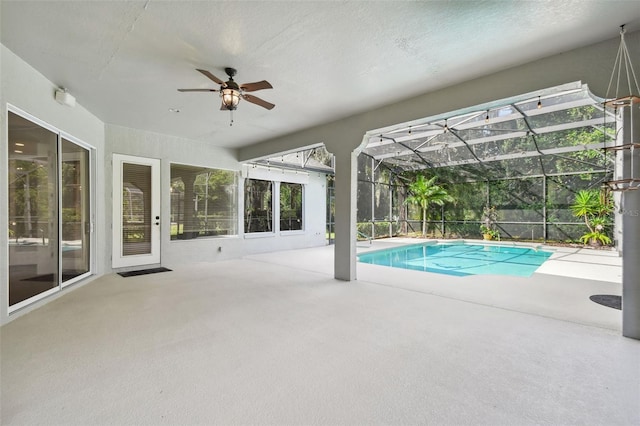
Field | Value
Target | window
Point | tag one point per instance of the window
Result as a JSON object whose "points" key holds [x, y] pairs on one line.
{"points": [[49, 213], [203, 202], [258, 210], [290, 206]]}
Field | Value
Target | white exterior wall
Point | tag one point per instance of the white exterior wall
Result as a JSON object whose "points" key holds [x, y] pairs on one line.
{"points": [[25, 88], [313, 216], [168, 149], [171, 149]]}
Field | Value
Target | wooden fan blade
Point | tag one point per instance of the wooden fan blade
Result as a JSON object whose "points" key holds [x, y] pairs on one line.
{"points": [[211, 76], [197, 90], [258, 85], [256, 100]]}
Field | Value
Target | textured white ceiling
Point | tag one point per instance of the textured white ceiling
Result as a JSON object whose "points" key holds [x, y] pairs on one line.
{"points": [[124, 60]]}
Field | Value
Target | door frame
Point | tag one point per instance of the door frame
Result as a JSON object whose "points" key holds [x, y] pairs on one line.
{"points": [[117, 259]]}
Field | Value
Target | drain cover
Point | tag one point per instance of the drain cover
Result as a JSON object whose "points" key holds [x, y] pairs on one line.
{"points": [[608, 300]]}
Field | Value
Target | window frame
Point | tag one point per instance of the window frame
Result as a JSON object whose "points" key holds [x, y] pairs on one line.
{"points": [[257, 234], [234, 208], [302, 209]]}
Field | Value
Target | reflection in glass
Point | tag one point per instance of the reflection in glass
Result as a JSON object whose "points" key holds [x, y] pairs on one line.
{"points": [[290, 206], [331, 209], [75, 210], [136, 209], [32, 212], [203, 202], [257, 205]]}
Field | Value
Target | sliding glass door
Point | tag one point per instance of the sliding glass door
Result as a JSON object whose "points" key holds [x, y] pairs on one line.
{"points": [[49, 210], [33, 196], [76, 223]]}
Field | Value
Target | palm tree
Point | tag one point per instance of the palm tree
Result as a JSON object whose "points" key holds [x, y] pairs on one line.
{"points": [[585, 206], [594, 208], [425, 192]]}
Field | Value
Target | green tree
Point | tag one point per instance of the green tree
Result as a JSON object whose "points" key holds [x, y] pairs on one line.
{"points": [[424, 192], [594, 207]]}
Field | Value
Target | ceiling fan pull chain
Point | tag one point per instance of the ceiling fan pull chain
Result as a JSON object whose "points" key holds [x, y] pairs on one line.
{"points": [[231, 115]]}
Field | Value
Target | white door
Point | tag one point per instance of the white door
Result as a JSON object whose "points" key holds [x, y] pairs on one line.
{"points": [[136, 211]]}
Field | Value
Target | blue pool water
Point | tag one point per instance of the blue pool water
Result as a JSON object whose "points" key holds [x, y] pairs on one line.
{"points": [[460, 259]]}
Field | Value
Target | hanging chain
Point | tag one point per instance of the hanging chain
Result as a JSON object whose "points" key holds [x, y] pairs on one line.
{"points": [[623, 59]]}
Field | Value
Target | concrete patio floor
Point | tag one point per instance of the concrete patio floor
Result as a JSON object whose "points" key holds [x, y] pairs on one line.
{"points": [[274, 339], [559, 289]]}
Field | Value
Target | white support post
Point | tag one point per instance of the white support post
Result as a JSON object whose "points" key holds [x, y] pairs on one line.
{"points": [[346, 191], [631, 228]]}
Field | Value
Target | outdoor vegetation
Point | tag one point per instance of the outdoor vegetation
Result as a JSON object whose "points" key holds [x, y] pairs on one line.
{"points": [[425, 193], [517, 194], [202, 202], [488, 226], [290, 206], [595, 209], [573, 205]]}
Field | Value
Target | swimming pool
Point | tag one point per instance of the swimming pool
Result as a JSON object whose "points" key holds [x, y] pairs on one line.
{"points": [[460, 258]]}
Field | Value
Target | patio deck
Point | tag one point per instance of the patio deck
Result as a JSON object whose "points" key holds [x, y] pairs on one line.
{"points": [[560, 288], [274, 339]]}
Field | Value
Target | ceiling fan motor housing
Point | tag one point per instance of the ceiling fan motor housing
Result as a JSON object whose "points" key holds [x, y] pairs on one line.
{"points": [[231, 85]]}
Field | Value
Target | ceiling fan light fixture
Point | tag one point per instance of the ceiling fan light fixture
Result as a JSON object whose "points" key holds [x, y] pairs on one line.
{"points": [[231, 92], [230, 98]]}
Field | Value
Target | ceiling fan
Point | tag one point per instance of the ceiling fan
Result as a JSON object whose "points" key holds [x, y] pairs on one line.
{"points": [[231, 92]]}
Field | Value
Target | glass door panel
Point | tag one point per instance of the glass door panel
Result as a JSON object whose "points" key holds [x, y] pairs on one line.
{"points": [[33, 209], [76, 224], [136, 208]]}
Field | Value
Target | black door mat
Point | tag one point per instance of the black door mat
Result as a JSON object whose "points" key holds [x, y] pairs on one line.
{"points": [[608, 300], [143, 272]]}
